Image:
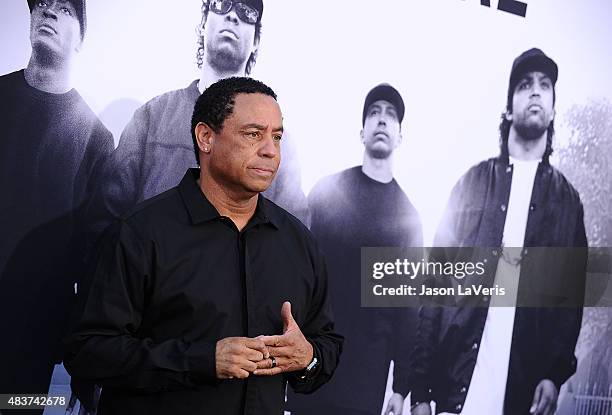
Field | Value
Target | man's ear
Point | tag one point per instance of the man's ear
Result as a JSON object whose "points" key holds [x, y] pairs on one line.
{"points": [[204, 137], [256, 44], [399, 140], [508, 115], [362, 136], [79, 46]]}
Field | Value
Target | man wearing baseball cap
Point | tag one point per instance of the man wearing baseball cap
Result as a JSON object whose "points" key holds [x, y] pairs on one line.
{"points": [[365, 207], [510, 359], [50, 142], [156, 147]]}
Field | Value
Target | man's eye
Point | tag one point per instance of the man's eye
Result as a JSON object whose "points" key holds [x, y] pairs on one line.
{"points": [[277, 137], [523, 85], [42, 4], [253, 134], [66, 11]]}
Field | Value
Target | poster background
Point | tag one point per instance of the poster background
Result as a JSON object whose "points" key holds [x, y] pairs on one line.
{"points": [[450, 59]]}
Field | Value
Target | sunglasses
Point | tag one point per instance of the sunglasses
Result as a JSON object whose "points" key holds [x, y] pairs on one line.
{"points": [[245, 13]]}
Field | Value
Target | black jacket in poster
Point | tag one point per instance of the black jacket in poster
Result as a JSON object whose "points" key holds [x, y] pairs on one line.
{"points": [[543, 338]]}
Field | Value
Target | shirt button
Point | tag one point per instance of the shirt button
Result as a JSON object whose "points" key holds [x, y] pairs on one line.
{"points": [[485, 299], [458, 407], [503, 208], [463, 389], [532, 207], [494, 252], [475, 346], [508, 169]]}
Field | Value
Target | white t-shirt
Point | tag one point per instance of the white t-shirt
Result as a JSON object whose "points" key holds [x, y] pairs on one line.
{"points": [[487, 388]]}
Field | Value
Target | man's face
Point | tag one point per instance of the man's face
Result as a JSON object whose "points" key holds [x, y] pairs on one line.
{"points": [[229, 41], [55, 28], [532, 105], [381, 130], [245, 154]]}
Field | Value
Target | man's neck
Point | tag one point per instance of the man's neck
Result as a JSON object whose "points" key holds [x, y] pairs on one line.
{"points": [[210, 75], [240, 208], [380, 170], [54, 78], [522, 149]]}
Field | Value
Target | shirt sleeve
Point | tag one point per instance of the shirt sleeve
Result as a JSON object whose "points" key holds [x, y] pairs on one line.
{"points": [[421, 361], [106, 346], [319, 331], [571, 317]]}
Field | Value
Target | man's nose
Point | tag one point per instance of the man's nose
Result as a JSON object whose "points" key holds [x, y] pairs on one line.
{"points": [[536, 89], [269, 148], [232, 16], [50, 11]]}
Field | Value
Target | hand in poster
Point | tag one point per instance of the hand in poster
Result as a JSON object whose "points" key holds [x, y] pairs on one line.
{"points": [[544, 398], [395, 405], [291, 351], [237, 357]]}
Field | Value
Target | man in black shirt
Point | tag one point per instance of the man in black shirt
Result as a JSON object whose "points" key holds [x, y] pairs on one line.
{"points": [[365, 207], [188, 300], [50, 143]]}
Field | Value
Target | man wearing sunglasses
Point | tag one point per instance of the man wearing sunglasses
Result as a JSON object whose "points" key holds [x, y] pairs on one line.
{"points": [[155, 147]]}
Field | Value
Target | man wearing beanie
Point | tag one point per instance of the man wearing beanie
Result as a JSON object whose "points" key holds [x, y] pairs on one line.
{"points": [[155, 147], [50, 142], [365, 207], [511, 356]]}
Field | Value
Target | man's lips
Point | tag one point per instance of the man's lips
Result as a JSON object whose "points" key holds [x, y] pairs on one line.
{"points": [[47, 28], [265, 171], [228, 32], [381, 134], [534, 107]]}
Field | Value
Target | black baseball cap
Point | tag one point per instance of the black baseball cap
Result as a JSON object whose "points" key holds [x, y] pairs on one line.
{"points": [[384, 92], [79, 6], [531, 60]]}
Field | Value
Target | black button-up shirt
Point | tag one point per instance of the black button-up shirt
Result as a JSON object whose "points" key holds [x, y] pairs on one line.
{"points": [[177, 278]]}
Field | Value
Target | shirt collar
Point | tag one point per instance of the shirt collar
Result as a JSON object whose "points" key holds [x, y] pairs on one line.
{"points": [[201, 210]]}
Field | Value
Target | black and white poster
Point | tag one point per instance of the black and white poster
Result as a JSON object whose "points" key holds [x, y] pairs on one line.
{"points": [[99, 121]]}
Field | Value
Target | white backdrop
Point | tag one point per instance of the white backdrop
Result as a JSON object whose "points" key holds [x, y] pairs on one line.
{"points": [[450, 59]]}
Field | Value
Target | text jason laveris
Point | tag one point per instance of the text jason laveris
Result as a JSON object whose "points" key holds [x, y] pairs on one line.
{"points": [[407, 290]]}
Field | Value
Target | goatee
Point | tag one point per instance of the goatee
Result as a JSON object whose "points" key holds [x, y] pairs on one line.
{"points": [[530, 131], [224, 61]]}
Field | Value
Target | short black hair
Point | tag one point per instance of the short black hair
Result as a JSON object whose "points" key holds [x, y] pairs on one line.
{"points": [[217, 103]]}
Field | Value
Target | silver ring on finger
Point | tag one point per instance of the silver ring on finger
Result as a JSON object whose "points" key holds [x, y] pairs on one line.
{"points": [[273, 359]]}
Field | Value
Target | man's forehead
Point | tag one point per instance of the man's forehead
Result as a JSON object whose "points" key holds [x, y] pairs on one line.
{"points": [[257, 108], [381, 103], [535, 75]]}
